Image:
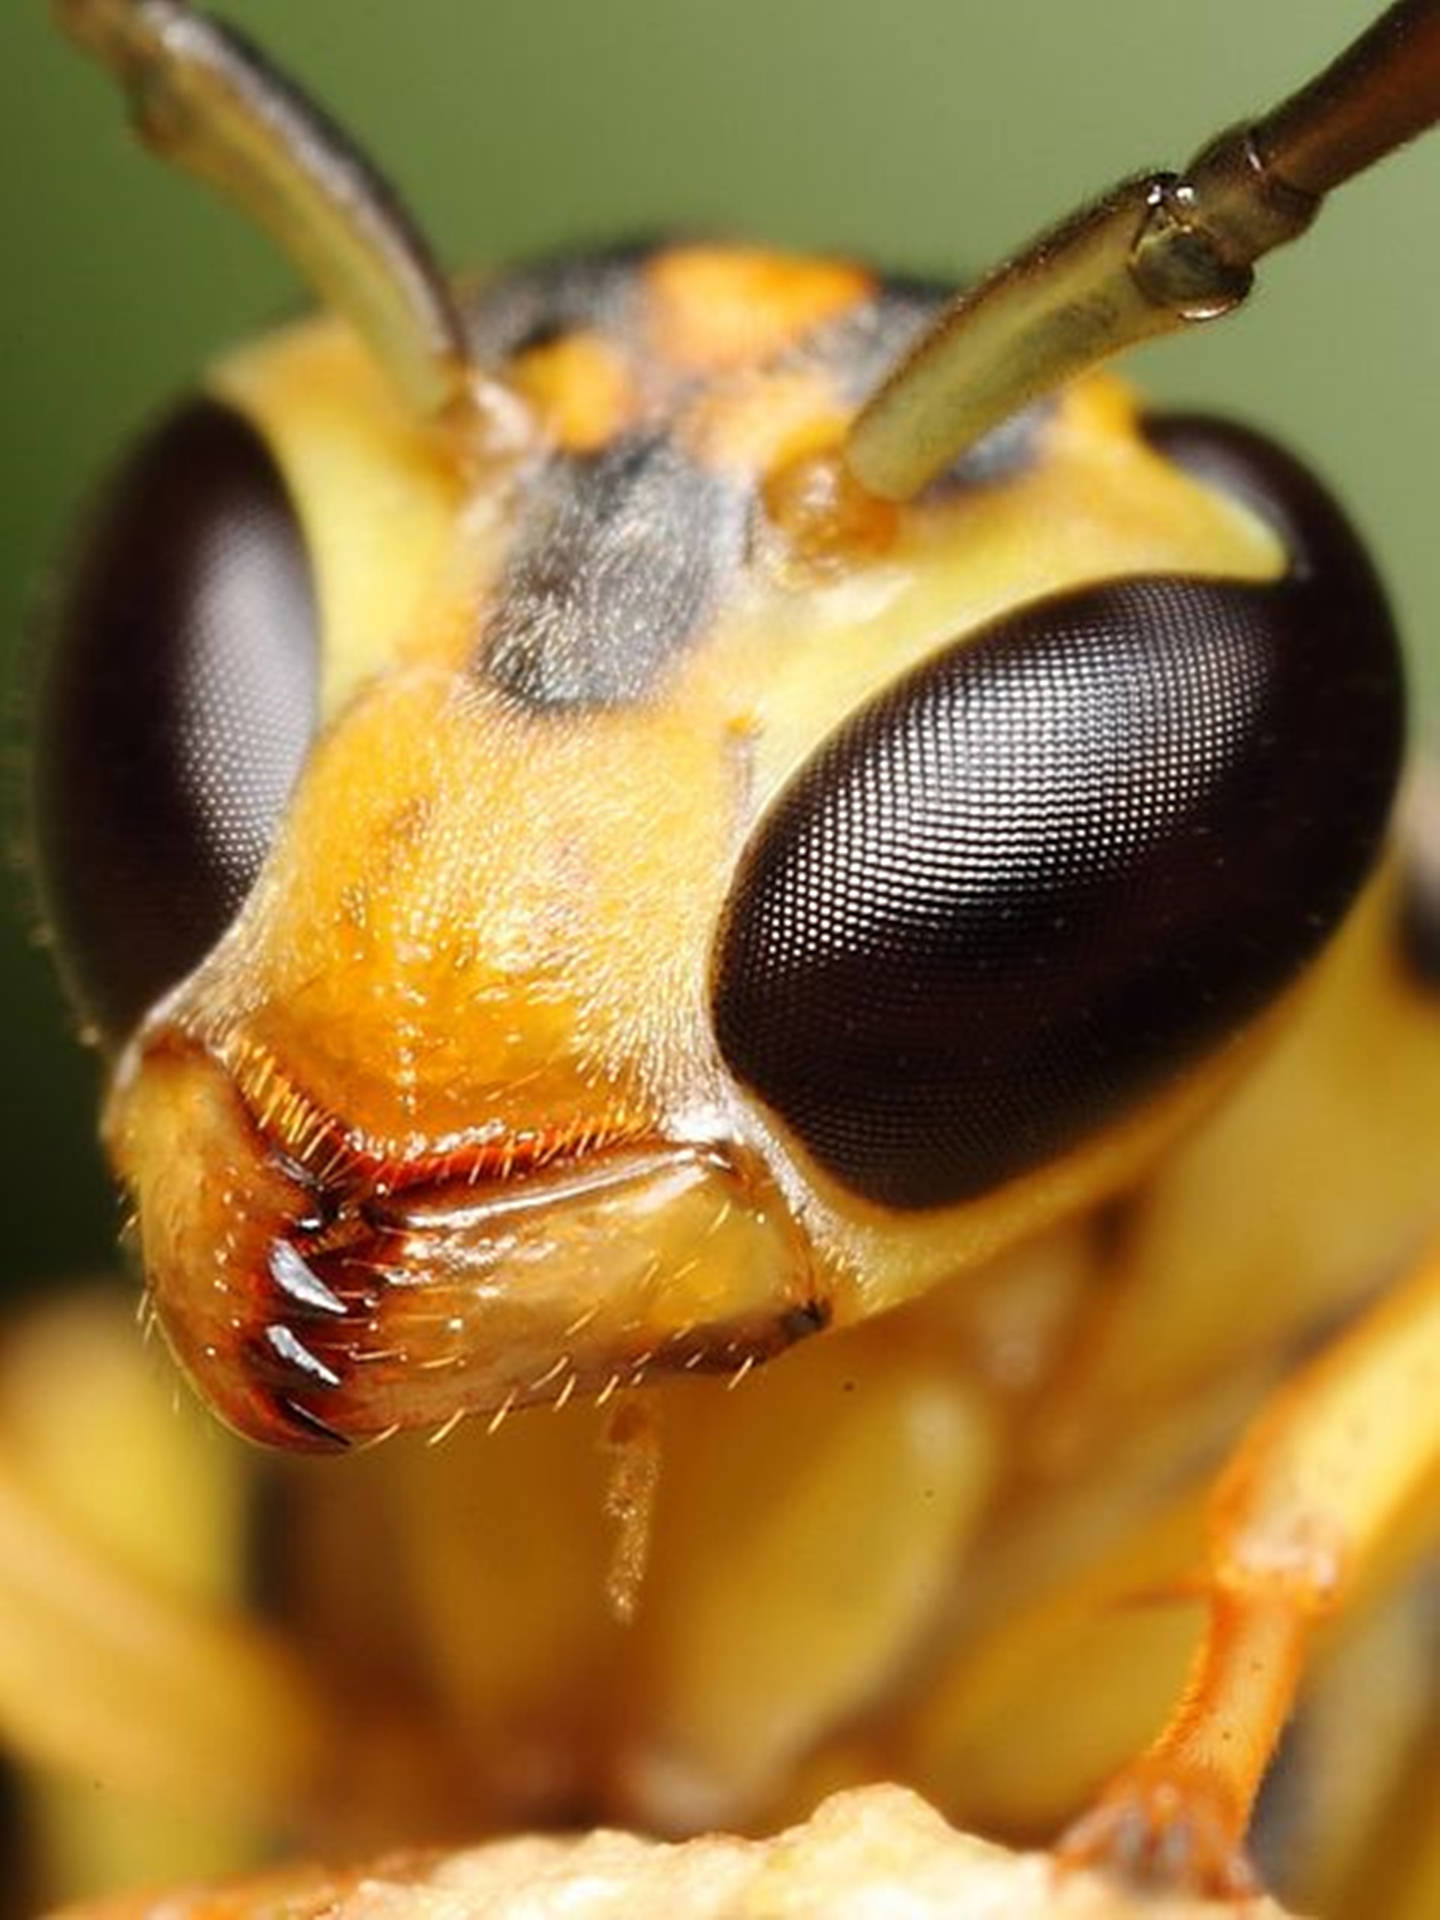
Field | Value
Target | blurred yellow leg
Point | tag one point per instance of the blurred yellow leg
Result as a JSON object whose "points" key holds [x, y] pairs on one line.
{"points": [[1016, 1731], [1299, 1519], [126, 1666], [808, 1529]]}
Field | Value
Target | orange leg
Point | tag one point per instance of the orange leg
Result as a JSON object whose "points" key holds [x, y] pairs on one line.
{"points": [[1303, 1514]]}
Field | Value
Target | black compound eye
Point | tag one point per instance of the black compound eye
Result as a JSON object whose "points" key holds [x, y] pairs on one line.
{"points": [[1029, 884], [178, 695]]}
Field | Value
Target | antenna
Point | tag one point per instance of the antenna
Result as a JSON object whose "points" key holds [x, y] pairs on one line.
{"points": [[1158, 252], [208, 101]]}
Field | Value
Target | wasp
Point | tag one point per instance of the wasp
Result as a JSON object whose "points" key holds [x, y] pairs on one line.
{"points": [[736, 906]]}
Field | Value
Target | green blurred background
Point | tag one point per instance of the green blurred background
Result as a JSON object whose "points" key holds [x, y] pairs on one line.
{"points": [[930, 134]]}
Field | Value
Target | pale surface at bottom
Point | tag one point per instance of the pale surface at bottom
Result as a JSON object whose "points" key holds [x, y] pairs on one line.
{"points": [[876, 1853]]}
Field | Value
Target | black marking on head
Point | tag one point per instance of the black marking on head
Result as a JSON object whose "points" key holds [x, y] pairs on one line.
{"points": [[597, 291], [1060, 862], [865, 344], [621, 556], [178, 695]]}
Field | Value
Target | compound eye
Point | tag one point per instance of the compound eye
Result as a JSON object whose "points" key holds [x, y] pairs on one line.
{"points": [[1028, 885], [177, 698]]}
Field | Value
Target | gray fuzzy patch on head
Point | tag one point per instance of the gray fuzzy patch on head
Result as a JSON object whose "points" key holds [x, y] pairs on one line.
{"points": [[621, 558]]}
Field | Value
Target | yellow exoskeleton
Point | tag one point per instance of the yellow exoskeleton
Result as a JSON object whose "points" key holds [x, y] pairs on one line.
{"points": [[747, 895]]}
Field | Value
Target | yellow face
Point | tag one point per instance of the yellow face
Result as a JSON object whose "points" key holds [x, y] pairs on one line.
{"points": [[466, 1136]]}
